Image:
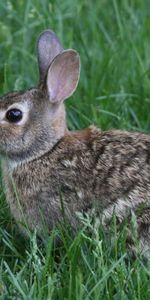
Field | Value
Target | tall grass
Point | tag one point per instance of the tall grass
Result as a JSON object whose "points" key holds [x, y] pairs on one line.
{"points": [[113, 39]]}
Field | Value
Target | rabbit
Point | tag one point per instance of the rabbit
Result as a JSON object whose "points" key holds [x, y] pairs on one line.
{"points": [[49, 171]]}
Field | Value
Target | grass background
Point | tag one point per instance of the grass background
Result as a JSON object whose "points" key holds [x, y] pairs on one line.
{"points": [[113, 39]]}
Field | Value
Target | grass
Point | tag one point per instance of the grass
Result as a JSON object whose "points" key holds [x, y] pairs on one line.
{"points": [[112, 38]]}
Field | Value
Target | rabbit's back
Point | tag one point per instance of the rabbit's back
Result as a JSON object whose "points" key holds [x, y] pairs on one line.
{"points": [[84, 169]]}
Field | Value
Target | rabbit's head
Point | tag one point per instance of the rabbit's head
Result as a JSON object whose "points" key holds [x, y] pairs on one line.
{"points": [[31, 122]]}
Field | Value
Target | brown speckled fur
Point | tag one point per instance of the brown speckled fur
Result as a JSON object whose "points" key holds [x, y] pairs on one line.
{"points": [[43, 162]]}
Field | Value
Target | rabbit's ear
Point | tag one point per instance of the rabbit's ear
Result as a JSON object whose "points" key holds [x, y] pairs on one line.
{"points": [[63, 76], [48, 47]]}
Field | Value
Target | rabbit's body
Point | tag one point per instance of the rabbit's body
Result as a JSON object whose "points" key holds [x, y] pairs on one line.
{"points": [[88, 169], [50, 173]]}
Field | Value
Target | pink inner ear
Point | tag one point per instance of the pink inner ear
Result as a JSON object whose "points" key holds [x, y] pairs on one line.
{"points": [[63, 76]]}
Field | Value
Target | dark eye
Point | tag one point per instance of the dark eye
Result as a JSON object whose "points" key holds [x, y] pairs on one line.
{"points": [[14, 115]]}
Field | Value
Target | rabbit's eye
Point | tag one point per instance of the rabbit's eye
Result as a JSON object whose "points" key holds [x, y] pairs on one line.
{"points": [[14, 115]]}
